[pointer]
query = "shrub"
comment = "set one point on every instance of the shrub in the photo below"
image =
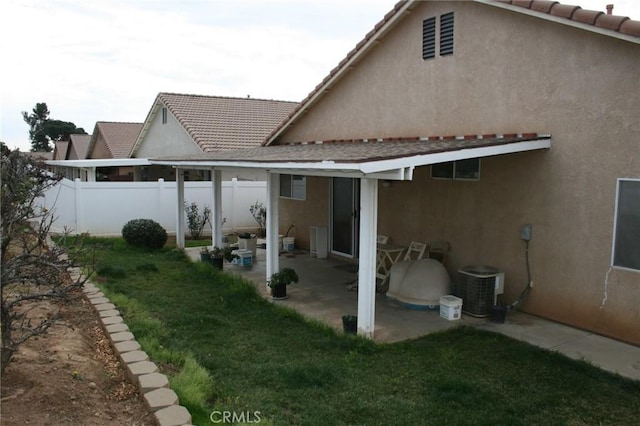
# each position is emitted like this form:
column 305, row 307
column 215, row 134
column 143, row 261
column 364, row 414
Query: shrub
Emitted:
column 144, row 233
column 195, row 220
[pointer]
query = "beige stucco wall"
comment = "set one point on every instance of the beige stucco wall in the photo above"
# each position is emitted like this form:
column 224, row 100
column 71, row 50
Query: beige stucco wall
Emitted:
column 314, row 211
column 509, row 73
column 169, row 139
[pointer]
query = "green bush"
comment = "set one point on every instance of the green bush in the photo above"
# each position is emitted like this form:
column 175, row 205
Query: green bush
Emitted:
column 144, row 233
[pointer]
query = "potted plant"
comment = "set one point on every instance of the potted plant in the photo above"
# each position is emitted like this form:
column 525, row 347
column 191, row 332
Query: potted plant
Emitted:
column 248, row 241
column 350, row 324
column 217, row 255
column 205, row 254
column 279, row 282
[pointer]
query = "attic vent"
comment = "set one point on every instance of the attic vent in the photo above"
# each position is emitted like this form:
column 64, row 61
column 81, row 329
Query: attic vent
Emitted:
column 429, row 38
column 164, row 115
column 446, row 34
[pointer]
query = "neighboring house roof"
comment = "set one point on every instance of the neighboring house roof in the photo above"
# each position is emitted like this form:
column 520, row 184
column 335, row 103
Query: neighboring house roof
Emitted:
column 80, row 145
column 220, row 123
column 118, row 137
column 599, row 22
column 61, row 149
column 40, row 155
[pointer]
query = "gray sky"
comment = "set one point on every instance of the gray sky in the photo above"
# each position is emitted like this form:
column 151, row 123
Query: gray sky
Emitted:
column 92, row 60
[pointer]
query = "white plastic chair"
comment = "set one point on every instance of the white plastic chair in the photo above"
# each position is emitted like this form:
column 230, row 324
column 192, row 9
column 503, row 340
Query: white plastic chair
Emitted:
column 415, row 251
column 382, row 239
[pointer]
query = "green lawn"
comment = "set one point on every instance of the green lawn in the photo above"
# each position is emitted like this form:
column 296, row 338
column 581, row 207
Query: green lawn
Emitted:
column 227, row 349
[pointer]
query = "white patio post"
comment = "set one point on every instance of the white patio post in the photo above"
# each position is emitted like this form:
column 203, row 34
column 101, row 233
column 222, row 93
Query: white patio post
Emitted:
column 273, row 192
column 91, row 174
column 180, row 206
column 367, row 262
column 216, row 210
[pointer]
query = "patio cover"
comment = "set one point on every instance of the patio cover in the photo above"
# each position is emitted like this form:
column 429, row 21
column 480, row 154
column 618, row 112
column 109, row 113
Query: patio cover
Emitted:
column 389, row 158
column 367, row 159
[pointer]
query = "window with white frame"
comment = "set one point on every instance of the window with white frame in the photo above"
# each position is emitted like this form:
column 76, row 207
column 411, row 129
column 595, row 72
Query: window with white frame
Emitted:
column 461, row 170
column 626, row 231
column 164, row 115
column 293, row 186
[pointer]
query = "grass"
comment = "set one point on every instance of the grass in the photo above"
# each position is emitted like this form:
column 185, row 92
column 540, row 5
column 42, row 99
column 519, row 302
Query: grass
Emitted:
column 225, row 348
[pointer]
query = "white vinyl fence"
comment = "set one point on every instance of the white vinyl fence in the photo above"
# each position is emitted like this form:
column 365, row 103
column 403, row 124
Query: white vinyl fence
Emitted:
column 102, row 208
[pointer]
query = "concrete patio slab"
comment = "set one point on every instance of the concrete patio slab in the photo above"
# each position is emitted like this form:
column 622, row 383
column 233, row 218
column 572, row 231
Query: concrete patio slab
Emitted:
column 322, row 295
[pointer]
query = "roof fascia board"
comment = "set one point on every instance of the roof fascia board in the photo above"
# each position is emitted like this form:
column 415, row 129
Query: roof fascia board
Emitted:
column 147, row 124
column 106, row 162
column 318, row 93
column 560, row 20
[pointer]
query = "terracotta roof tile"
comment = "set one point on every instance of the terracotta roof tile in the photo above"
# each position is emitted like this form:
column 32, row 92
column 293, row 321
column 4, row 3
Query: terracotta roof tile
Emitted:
column 222, row 123
column 610, row 22
column 586, row 16
column 564, row 10
column 60, row 150
column 542, row 5
column 119, row 137
column 597, row 18
column 80, row 145
column 630, row 28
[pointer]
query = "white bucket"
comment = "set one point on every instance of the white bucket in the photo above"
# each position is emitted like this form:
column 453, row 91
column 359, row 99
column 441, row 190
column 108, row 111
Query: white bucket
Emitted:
column 288, row 244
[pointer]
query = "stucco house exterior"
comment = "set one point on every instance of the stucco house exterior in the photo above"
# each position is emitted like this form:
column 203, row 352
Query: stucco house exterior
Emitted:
column 464, row 121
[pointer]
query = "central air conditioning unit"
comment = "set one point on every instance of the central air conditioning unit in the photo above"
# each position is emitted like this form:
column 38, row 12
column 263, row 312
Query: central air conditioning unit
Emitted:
column 479, row 287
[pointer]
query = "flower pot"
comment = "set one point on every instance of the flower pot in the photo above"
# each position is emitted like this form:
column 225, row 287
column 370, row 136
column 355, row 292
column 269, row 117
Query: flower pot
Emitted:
column 279, row 292
column 204, row 257
column 217, row 262
column 350, row 324
column 498, row 314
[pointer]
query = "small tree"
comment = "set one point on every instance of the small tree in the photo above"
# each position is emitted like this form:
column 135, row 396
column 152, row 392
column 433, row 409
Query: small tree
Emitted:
column 259, row 213
column 196, row 221
column 31, row 269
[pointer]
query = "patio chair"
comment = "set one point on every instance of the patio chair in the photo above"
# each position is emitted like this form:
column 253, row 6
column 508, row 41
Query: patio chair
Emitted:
column 439, row 250
column 382, row 239
column 415, row 251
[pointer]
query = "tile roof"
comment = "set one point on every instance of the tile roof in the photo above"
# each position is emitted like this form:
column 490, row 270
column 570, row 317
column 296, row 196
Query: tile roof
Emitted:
column 60, row 150
column 616, row 24
column 119, row 137
column 621, row 24
column 359, row 150
column 80, row 144
column 223, row 123
column 40, row 155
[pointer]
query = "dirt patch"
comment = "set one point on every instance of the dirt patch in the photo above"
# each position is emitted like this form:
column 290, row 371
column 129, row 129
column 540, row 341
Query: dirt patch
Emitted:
column 70, row 375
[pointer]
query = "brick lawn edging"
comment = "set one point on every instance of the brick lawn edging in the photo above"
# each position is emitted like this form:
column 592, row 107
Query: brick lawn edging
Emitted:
column 162, row 402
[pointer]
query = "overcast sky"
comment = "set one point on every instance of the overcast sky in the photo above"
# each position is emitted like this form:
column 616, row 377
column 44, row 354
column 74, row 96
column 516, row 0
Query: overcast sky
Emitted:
column 107, row 60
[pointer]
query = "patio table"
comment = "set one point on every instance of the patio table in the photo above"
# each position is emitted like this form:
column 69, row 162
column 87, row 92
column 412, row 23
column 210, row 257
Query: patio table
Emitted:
column 386, row 256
